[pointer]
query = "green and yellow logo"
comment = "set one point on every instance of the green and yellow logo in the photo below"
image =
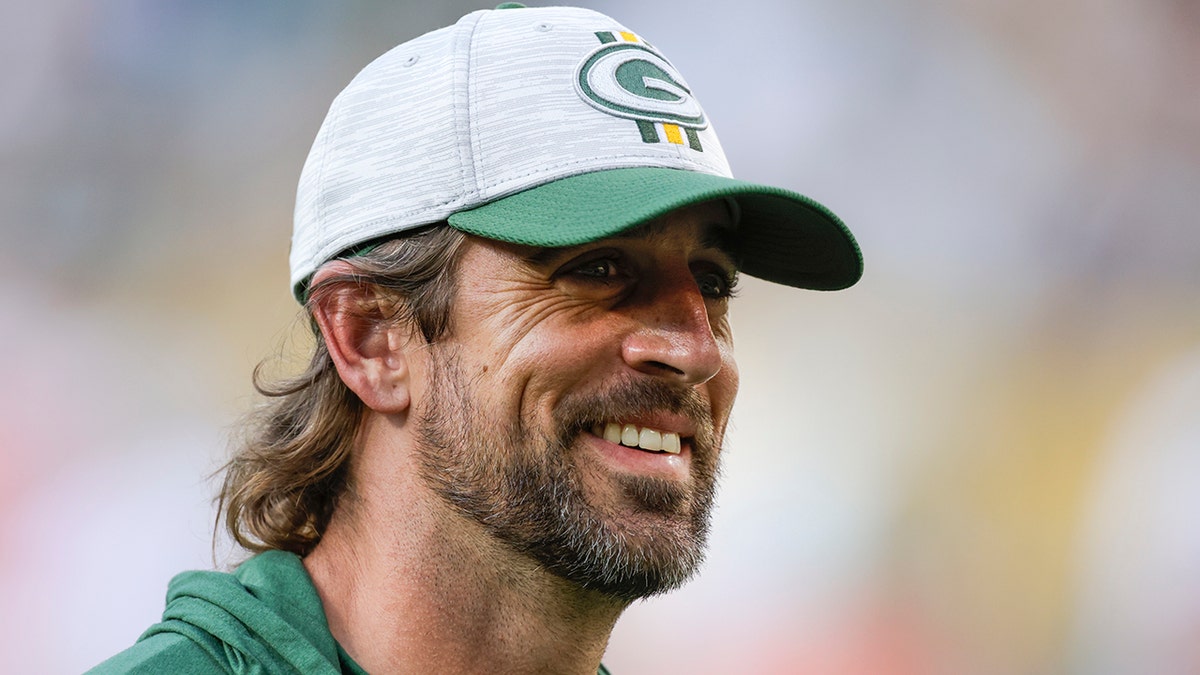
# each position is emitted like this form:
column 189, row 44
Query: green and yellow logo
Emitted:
column 628, row 78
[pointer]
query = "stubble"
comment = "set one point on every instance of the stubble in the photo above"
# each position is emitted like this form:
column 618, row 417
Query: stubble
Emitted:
column 525, row 486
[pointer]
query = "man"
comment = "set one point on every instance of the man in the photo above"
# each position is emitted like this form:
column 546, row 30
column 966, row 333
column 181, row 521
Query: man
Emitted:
column 517, row 238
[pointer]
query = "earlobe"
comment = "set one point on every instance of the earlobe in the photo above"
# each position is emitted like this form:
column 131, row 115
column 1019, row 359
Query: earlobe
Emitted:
column 368, row 350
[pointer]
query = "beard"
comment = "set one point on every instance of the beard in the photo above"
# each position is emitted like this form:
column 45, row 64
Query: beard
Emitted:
column 522, row 483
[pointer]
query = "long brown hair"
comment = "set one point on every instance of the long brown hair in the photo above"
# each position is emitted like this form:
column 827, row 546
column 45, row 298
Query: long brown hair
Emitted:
column 290, row 467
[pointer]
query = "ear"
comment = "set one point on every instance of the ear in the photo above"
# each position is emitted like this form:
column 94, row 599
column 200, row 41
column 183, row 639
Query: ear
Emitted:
column 368, row 350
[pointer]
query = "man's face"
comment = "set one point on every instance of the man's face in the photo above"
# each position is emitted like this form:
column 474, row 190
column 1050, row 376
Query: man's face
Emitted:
column 559, row 360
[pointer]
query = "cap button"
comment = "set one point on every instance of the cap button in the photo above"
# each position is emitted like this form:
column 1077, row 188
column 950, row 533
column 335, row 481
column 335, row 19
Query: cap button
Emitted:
column 510, row 5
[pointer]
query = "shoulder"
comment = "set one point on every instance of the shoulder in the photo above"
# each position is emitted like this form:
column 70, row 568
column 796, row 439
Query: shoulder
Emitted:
column 264, row 618
column 161, row 653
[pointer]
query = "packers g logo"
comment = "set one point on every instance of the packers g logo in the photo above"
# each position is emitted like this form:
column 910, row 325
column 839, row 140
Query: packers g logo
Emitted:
column 632, row 80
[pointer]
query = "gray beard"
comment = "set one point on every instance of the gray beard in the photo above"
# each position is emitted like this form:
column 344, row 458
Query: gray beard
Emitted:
column 525, row 489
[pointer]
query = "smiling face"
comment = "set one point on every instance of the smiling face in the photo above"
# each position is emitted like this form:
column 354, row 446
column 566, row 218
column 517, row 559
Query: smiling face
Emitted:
column 558, row 365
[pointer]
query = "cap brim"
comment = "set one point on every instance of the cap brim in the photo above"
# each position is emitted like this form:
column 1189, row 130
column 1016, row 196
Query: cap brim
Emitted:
column 782, row 236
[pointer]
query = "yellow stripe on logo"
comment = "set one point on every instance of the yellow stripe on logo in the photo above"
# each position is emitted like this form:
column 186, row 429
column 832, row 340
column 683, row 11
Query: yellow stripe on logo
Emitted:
column 673, row 133
column 629, row 37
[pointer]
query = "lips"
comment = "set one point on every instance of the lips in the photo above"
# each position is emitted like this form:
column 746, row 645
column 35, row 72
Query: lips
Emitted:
column 645, row 438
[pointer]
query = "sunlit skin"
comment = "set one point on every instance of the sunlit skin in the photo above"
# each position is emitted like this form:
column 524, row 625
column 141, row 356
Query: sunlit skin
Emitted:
column 534, row 325
column 407, row 579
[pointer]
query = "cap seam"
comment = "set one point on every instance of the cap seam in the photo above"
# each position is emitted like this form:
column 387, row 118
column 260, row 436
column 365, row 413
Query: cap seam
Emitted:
column 464, row 133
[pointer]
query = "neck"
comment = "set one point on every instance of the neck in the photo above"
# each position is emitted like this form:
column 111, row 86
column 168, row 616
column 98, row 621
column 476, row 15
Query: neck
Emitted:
column 410, row 585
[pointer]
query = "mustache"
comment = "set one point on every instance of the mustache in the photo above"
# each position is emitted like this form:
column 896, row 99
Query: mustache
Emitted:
column 580, row 411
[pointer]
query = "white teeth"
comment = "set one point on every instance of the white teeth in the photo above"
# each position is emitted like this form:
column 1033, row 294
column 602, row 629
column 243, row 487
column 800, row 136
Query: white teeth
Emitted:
column 650, row 439
column 612, row 432
column 645, row 438
column 670, row 443
column 629, row 435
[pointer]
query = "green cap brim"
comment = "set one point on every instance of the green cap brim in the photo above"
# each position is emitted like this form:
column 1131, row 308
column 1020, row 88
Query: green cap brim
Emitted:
column 782, row 236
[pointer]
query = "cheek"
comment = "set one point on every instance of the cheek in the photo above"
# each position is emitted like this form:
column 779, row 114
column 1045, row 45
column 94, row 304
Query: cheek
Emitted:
column 529, row 375
column 729, row 371
column 723, row 387
column 723, row 334
column 516, row 322
column 529, row 326
column 564, row 355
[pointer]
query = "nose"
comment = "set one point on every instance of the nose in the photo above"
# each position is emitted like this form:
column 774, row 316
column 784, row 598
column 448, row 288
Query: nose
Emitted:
column 674, row 337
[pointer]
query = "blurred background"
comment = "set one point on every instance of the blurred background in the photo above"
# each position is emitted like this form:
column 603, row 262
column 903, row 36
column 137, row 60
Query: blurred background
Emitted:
column 983, row 459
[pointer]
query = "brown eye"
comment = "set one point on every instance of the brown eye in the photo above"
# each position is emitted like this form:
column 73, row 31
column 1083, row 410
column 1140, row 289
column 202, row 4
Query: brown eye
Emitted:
column 716, row 284
column 599, row 268
column 597, row 274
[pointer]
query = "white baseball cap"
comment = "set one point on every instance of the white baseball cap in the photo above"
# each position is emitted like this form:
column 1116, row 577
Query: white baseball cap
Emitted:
column 541, row 126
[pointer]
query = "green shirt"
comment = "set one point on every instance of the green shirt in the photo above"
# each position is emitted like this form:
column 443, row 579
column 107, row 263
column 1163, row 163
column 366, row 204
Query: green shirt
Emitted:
column 264, row 618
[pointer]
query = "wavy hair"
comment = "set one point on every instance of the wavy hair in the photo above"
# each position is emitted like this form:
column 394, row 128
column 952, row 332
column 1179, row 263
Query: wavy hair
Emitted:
column 290, row 467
